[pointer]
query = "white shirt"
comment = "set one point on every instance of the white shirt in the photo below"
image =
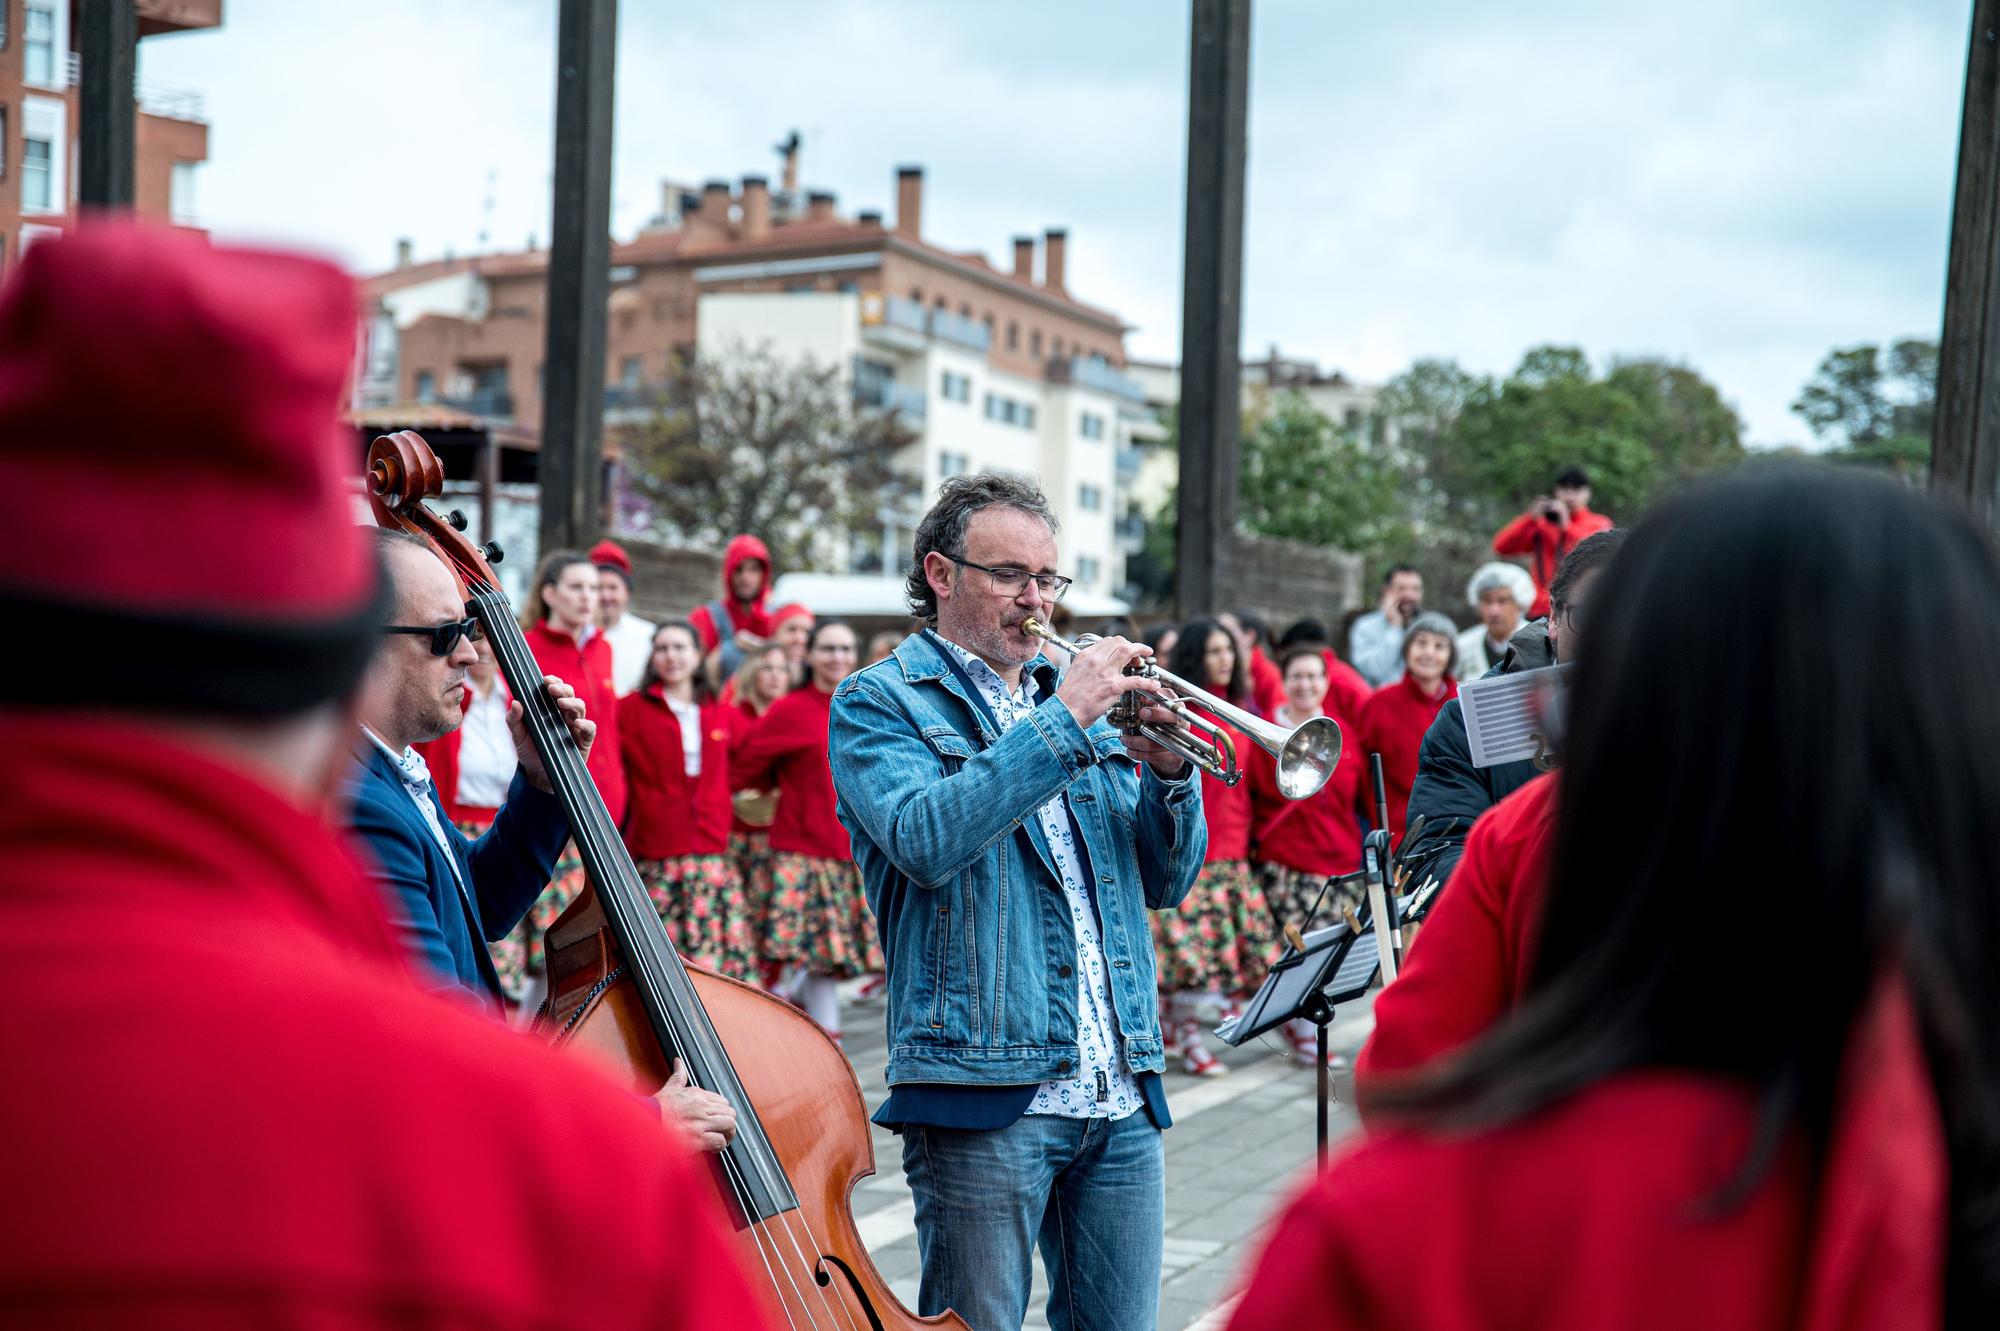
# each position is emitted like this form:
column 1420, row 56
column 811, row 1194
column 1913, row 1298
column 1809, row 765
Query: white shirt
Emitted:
column 631, row 641
column 416, row 776
column 486, row 755
column 1096, row 1025
column 688, row 714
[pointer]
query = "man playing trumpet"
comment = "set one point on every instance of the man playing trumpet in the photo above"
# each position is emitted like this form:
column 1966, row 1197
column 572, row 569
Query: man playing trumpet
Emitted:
column 1010, row 848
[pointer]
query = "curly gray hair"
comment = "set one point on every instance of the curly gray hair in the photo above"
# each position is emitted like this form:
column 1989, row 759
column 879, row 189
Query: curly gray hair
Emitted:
column 943, row 528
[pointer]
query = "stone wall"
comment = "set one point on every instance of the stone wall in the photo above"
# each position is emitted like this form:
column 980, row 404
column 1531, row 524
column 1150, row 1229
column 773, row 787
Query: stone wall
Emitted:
column 668, row 583
column 1287, row 580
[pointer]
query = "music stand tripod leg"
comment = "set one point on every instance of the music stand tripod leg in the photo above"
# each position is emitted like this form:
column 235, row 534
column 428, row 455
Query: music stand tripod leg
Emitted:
column 1320, row 1013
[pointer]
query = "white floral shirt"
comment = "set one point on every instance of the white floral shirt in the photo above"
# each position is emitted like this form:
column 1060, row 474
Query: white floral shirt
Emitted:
column 1103, row 1086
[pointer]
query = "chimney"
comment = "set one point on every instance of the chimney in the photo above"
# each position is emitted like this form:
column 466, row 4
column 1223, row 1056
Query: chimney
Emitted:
column 1024, row 258
column 789, row 149
column 819, row 206
column 910, row 201
column 756, row 207
column 715, row 203
column 1056, row 239
column 404, row 251
column 870, row 217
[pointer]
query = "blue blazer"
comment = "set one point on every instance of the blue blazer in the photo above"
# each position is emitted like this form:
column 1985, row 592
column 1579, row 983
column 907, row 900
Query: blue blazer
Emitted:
column 446, row 927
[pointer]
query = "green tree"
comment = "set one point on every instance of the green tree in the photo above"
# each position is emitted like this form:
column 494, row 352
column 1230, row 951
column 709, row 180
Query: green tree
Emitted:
column 1845, row 400
column 1875, row 414
column 752, row 441
column 1305, row 479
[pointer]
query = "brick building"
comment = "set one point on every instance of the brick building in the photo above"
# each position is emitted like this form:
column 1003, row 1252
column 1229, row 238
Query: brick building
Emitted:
column 38, row 120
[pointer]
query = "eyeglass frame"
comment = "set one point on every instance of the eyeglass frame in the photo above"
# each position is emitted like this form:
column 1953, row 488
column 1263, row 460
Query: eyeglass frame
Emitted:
column 1053, row 597
column 444, row 637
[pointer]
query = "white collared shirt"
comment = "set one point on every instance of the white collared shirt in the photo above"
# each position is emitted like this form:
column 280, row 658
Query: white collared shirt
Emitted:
column 416, row 775
column 1096, row 1024
column 486, row 755
column 631, row 641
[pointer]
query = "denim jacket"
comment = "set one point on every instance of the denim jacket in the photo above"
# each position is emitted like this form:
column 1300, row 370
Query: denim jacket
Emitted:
column 973, row 920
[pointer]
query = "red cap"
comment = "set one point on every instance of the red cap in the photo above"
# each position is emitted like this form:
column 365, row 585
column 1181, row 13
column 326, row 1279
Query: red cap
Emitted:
column 610, row 554
column 172, row 466
column 792, row 610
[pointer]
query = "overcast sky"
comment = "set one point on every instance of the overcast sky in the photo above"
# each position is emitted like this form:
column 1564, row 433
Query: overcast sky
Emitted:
column 1739, row 186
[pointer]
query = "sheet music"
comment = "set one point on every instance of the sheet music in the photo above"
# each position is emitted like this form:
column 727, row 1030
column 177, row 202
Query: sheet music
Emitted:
column 1503, row 714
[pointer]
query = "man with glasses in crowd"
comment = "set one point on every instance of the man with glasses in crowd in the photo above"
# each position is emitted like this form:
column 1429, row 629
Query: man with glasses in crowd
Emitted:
column 1010, row 846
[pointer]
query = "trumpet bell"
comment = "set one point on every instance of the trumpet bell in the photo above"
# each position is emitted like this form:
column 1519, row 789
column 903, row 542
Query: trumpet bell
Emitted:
column 1308, row 757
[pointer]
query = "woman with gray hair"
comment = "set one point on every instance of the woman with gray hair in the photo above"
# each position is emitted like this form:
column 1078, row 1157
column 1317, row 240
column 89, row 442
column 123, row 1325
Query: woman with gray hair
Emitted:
column 1397, row 715
column 1501, row 593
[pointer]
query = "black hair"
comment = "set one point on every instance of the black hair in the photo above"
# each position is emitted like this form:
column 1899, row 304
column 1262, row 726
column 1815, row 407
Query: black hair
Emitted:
column 1733, row 746
column 1592, row 552
column 1304, row 631
column 1394, row 569
column 943, row 528
column 703, row 694
column 1572, row 477
column 1186, row 658
column 1255, row 625
column 1158, row 634
column 1300, row 651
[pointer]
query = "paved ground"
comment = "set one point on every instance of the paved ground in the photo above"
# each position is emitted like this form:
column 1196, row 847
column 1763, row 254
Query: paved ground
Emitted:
column 1238, row 1146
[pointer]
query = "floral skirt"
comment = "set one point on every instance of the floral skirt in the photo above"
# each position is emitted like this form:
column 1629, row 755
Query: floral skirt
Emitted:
column 1221, row 939
column 701, row 901
column 519, row 954
column 750, row 852
column 813, row 914
column 1290, row 893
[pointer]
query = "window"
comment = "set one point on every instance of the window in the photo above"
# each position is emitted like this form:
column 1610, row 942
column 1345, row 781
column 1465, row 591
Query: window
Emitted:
column 3, row 110
column 37, row 186
column 180, row 192
column 630, row 371
column 38, row 56
column 955, row 387
column 1035, row 342
column 1089, row 498
column 1090, row 425
column 1013, row 336
column 953, row 464
column 917, row 295
column 1056, row 348
column 1351, row 418
column 993, row 406
column 1086, row 571
column 1027, row 417
column 426, row 386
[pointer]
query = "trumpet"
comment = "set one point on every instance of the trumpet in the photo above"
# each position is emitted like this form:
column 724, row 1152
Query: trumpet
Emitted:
column 1306, row 753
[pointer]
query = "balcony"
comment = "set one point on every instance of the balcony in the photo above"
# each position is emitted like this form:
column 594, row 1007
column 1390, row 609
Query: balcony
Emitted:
column 1131, row 533
column 154, row 99
column 492, row 403
column 884, row 394
column 1097, row 374
column 964, row 332
column 1129, row 461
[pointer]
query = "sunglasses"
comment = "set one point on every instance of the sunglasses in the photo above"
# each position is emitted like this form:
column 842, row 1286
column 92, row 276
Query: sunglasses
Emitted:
column 444, row 637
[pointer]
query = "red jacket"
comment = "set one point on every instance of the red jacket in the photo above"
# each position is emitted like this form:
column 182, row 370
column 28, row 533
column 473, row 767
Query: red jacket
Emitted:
column 1267, row 683
column 787, row 749
column 1393, row 725
column 1347, row 692
column 1547, row 543
column 747, row 616
column 1320, row 835
column 667, row 816
column 1469, row 963
column 1226, row 809
column 231, row 1107
column 588, row 671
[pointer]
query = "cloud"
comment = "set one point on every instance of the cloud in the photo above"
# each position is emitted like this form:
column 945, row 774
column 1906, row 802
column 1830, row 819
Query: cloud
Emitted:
column 1740, row 191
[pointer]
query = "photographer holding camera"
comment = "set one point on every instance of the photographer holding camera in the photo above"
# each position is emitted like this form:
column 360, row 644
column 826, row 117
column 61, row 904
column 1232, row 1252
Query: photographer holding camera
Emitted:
column 1550, row 529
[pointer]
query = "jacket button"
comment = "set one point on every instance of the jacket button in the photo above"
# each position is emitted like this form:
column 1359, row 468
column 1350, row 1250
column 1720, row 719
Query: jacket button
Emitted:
column 1063, row 1066
column 1104, row 878
column 1083, row 757
column 1064, row 971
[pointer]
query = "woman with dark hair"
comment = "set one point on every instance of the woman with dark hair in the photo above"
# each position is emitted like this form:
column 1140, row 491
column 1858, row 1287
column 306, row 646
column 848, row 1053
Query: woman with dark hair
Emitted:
column 814, row 918
column 1697, row 1116
column 676, row 737
column 1161, row 638
column 559, row 621
column 1400, row 712
column 1213, row 948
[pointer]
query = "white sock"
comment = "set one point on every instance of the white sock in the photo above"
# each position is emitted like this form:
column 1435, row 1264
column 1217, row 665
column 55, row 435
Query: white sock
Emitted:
column 822, row 1002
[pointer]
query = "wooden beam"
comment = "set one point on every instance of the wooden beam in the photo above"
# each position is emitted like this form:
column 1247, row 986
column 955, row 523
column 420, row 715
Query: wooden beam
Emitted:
column 1211, row 302
column 107, row 112
column 571, row 463
column 1965, row 448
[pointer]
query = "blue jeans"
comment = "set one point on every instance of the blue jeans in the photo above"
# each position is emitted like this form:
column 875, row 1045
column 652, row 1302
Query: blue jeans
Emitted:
column 1091, row 1191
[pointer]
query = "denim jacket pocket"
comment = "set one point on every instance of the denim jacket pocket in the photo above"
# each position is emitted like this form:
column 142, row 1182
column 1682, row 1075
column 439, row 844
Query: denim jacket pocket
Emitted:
column 952, row 748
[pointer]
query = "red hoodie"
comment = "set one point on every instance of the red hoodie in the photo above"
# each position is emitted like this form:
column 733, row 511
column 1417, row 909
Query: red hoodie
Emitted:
column 588, row 670
column 1532, row 534
column 1267, row 683
column 230, row 1107
column 748, row 616
column 1320, row 835
column 787, row 749
column 1226, row 809
column 668, row 815
column 1347, row 692
column 1393, row 725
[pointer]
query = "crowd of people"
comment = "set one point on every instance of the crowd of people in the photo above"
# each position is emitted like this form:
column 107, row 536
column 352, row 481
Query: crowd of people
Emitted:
column 1695, row 1036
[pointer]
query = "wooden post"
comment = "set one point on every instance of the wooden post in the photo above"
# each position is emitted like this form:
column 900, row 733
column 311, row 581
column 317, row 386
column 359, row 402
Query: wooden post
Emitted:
column 1965, row 447
column 106, row 109
column 570, row 468
column 1211, row 301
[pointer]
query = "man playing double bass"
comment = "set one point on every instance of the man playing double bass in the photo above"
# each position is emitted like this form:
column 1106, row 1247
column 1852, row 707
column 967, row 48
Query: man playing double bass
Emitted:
column 227, row 1105
column 451, row 894
column 1010, row 849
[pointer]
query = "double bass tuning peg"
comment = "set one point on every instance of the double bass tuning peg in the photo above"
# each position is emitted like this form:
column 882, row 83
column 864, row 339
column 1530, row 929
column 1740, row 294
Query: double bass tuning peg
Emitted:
column 457, row 519
column 492, row 552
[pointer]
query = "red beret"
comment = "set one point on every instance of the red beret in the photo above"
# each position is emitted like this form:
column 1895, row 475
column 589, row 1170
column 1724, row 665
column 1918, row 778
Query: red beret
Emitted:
column 172, row 466
column 610, row 554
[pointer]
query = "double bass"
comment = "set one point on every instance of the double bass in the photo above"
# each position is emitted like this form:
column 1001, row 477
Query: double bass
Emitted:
column 619, row 992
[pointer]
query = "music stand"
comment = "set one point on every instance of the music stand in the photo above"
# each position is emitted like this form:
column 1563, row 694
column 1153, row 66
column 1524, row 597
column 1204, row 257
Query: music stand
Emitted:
column 1330, row 970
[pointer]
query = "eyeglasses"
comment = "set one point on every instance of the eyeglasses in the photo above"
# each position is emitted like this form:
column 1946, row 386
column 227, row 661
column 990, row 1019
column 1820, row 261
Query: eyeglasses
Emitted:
column 444, row 637
column 1014, row 581
column 1572, row 613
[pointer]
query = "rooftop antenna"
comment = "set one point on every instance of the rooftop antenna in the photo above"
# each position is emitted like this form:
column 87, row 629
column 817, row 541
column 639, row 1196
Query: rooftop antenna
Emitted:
column 788, row 148
column 486, row 207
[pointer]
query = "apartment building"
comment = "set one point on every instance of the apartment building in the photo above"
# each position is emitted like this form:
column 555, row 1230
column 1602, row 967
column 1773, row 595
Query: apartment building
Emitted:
column 39, row 73
column 994, row 366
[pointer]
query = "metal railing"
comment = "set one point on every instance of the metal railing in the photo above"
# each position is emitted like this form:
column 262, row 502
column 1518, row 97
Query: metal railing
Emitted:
column 494, row 403
column 154, row 99
column 1096, row 373
column 966, row 332
column 888, row 395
